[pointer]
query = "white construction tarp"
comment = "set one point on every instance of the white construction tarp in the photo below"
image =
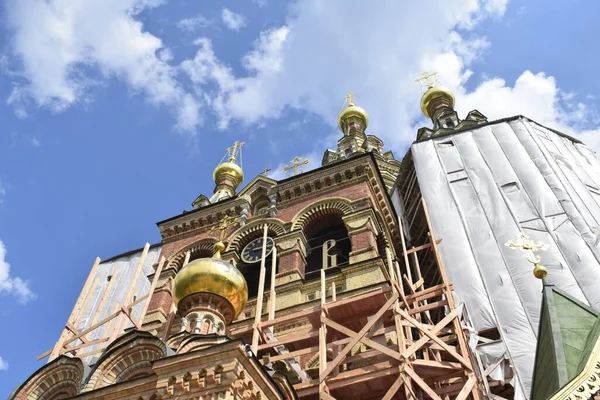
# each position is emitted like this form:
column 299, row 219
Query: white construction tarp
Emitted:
column 485, row 186
column 122, row 271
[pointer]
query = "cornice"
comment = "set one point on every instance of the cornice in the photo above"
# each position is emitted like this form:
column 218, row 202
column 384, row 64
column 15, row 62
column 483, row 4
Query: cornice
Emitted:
column 257, row 183
column 324, row 180
column 198, row 221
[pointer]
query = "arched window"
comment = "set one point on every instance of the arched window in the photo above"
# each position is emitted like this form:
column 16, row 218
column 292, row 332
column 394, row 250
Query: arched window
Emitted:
column 261, row 208
column 328, row 245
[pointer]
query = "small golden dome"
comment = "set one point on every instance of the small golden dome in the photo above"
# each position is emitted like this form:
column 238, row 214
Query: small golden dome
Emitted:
column 231, row 169
column 353, row 111
column 433, row 93
column 212, row 275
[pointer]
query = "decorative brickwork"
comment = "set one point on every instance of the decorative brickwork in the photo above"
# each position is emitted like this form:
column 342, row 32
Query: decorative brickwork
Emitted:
column 254, row 229
column 333, row 205
column 59, row 379
column 128, row 356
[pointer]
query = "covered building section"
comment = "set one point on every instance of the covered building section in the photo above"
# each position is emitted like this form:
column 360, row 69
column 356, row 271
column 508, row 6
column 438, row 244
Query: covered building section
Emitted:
column 485, row 185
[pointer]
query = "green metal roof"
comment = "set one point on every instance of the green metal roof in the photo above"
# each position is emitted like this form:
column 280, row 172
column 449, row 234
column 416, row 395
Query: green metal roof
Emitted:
column 567, row 333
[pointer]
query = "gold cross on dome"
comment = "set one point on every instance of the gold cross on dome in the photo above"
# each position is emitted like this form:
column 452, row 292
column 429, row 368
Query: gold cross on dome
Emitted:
column 426, row 76
column 223, row 225
column 233, row 150
column 349, row 98
column 265, row 171
column 523, row 243
column 296, row 163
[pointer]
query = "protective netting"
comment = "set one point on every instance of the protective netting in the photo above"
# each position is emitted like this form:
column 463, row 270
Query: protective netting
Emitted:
column 485, row 186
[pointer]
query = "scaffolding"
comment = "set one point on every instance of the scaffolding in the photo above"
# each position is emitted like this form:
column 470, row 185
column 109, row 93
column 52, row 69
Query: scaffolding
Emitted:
column 76, row 342
column 402, row 339
column 409, row 330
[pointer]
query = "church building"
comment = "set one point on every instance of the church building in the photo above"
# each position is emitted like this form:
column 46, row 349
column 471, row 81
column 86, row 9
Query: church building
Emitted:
column 369, row 277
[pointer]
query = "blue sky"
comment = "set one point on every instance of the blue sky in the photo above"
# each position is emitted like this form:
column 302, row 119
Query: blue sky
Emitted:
column 115, row 112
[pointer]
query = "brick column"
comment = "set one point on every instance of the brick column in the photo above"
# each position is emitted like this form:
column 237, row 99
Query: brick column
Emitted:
column 291, row 254
column 363, row 231
column 161, row 300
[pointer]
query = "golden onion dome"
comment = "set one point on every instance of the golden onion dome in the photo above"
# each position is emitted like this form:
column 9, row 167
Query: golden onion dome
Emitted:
column 212, row 275
column 353, row 111
column 229, row 168
column 433, row 93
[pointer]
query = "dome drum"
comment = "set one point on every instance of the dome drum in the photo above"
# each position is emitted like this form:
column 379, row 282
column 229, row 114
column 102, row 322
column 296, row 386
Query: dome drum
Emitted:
column 204, row 301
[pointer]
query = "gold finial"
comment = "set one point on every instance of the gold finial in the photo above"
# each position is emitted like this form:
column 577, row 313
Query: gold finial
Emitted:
column 426, row 76
column 523, row 243
column 223, row 225
column 296, row 163
column 265, row 171
column 233, row 150
column 349, row 98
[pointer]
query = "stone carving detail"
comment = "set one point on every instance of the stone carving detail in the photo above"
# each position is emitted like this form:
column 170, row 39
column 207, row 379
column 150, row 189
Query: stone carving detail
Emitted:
column 272, row 203
column 358, row 223
column 244, row 213
column 589, row 387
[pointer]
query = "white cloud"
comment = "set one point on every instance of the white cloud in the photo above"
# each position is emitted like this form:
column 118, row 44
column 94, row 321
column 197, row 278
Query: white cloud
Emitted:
column 317, row 57
column 193, row 23
column 308, row 64
column 233, row 20
column 312, row 61
column 538, row 97
column 60, row 41
column 3, row 365
column 266, row 56
column 13, row 286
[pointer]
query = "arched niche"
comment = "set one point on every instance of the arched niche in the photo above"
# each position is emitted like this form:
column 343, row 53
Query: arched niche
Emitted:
column 60, row 379
column 130, row 356
column 261, row 207
column 328, row 245
column 247, row 234
column 333, row 205
column 200, row 249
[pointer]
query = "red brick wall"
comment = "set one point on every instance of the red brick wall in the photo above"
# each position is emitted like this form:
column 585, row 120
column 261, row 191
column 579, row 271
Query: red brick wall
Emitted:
column 293, row 260
column 363, row 240
column 353, row 192
column 161, row 299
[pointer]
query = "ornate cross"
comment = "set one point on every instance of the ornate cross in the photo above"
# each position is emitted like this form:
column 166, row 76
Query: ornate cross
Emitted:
column 426, row 76
column 350, row 98
column 265, row 171
column 233, row 150
column 223, row 225
column 296, row 163
column 523, row 243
